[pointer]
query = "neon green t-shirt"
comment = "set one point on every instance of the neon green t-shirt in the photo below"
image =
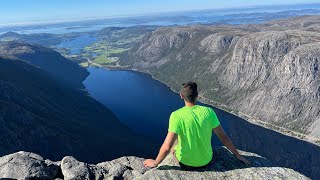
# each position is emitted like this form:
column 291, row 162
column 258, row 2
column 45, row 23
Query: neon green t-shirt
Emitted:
column 194, row 128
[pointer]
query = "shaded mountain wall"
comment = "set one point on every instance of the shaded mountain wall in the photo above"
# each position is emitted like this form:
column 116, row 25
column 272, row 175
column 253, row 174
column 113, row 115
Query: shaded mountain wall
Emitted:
column 40, row 113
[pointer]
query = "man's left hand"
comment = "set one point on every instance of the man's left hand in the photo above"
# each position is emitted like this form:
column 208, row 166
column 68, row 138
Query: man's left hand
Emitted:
column 150, row 163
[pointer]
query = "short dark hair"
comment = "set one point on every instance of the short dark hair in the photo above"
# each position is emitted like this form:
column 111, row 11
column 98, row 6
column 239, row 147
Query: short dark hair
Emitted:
column 189, row 91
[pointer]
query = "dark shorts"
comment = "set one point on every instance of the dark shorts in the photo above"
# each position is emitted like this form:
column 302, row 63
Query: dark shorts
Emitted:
column 191, row 168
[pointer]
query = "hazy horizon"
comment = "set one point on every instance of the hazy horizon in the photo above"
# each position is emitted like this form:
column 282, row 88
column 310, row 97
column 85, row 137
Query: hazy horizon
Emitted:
column 32, row 15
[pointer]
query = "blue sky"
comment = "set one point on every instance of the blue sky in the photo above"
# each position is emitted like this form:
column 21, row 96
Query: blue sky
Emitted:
column 15, row 11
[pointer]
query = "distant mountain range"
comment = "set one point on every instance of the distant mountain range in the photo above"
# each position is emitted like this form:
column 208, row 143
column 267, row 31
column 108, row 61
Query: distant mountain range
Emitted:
column 244, row 15
column 43, row 110
column 267, row 72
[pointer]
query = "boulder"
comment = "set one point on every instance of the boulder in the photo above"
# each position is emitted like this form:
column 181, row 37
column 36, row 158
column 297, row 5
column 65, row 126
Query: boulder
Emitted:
column 72, row 169
column 26, row 165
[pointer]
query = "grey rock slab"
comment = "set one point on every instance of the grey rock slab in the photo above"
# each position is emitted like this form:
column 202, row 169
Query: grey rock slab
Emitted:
column 26, row 165
column 73, row 169
column 132, row 162
column 223, row 166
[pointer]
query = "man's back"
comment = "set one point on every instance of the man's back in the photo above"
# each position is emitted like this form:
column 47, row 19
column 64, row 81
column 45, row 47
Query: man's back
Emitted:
column 193, row 125
column 194, row 128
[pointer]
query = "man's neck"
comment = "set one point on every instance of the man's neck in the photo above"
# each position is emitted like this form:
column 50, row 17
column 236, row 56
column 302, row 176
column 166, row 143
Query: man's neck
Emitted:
column 189, row 104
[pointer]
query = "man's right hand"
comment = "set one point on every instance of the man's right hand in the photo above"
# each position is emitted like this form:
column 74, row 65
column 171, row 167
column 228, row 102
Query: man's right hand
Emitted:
column 228, row 143
column 242, row 159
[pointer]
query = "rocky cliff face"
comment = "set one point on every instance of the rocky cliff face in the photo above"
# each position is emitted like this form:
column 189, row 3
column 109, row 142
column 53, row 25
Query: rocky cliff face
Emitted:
column 25, row 165
column 267, row 72
column 277, row 72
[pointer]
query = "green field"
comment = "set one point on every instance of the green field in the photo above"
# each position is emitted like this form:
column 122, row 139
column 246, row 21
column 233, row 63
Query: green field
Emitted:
column 104, row 51
column 84, row 64
column 113, row 41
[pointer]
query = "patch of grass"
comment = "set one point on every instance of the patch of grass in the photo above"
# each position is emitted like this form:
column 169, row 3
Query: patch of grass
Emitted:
column 104, row 60
column 84, row 64
column 105, row 53
column 115, row 51
column 103, row 47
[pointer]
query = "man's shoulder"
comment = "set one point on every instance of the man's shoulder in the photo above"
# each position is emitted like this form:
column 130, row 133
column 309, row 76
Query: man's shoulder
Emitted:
column 200, row 107
column 205, row 108
column 178, row 111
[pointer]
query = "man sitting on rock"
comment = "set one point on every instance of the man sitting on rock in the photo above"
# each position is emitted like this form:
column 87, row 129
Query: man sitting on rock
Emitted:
column 192, row 125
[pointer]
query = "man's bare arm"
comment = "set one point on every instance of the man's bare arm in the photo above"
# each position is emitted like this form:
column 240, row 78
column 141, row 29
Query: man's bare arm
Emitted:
column 224, row 138
column 164, row 150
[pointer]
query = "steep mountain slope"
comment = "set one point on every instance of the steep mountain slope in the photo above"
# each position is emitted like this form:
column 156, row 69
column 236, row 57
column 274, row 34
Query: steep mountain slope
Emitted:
column 123, row 37
column 47, row 59
column 42, row 114
column 267, row 72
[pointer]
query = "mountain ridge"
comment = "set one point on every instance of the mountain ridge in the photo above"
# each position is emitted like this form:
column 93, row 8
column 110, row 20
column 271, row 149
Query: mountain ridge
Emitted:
column 60, row 68
column 240, row 65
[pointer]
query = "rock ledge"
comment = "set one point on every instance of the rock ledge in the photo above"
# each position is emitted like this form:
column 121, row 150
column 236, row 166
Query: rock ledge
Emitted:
column 25, row 165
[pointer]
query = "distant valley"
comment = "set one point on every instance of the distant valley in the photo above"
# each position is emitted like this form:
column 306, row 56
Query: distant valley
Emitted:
column 266, row 73
column 44, row 110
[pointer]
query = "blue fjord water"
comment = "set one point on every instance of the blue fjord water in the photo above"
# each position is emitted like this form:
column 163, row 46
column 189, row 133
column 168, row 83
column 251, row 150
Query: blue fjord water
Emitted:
column 77, row 44
column 144, row 105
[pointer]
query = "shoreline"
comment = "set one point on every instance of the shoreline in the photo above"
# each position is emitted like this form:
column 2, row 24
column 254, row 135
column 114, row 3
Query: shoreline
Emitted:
column 248, row 118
